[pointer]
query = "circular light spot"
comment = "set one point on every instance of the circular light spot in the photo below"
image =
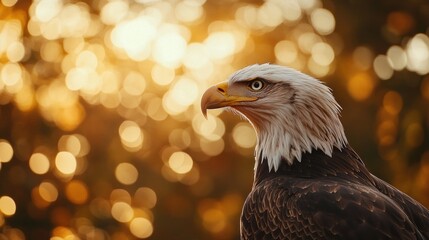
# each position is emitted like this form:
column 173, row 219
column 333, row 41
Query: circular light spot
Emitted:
column 169, row 49
column 180, row 162
column 145, row 197
column 363, row 57
column 47, row 10
column 244, row 135
column 382, row 67
column 6, row 151
column 162, row 75
column 87, row 59
column 220, row 45
column 214, row 220
column 113, row 12
column 122, row 212
column 392, row 102
column 7, row 206
column 65, row 163
column 77, row 192
column 15, row 52
column 286, row 51
column 212, row 147
column 126, row 173
column 76, row 144
column 120, row 195
column 131, row 135
column 397, row 58
column 322, row 53
column 141, row 227
column 360, row 86
column 323, row 21
column 134, row 84
column 39, row 163
column 188, row 11
column 9, row 3
column 48, row 192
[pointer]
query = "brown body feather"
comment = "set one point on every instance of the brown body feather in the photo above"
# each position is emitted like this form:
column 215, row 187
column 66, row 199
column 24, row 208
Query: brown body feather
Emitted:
column 325, row 197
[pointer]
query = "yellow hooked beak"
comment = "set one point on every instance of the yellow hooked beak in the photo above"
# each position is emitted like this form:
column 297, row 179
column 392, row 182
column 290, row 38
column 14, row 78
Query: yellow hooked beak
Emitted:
column 217, row 97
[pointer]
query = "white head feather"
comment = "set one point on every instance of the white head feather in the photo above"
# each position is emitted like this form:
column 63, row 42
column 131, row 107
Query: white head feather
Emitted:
column 295, row 116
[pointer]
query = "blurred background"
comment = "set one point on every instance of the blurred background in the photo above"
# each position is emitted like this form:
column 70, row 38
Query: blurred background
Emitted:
column 101, row 135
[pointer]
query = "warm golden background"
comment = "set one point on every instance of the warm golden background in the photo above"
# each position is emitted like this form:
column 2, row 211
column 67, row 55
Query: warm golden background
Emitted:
column 101, row 136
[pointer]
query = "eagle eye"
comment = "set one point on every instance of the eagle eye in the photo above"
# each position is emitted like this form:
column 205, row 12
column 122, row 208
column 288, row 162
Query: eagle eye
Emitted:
column 256, row 85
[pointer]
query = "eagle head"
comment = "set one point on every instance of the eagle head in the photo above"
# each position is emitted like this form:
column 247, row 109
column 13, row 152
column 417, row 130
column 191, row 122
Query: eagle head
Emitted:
column 291, row 112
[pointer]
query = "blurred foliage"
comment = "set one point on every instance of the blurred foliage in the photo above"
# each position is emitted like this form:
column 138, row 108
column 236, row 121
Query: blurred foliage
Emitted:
column 101, row 136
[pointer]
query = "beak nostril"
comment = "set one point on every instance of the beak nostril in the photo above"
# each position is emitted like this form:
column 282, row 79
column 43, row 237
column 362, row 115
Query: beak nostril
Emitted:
column 221, row 90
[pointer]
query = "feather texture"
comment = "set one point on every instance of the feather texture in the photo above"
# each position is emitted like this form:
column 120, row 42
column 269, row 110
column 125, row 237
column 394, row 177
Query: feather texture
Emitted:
column 325, row 197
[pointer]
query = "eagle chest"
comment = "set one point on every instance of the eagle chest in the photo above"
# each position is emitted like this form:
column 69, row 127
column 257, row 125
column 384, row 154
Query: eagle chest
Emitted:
column 270, row 212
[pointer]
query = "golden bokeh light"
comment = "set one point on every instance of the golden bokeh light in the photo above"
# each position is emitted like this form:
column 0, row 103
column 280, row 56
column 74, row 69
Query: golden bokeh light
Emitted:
column 134, row 84
column 66, row 163
column 323, row 21
column 360, row 86
column 392, row 102
column 189, row 11
column 48, row 192
column 51, row 51
column 286, row 52
column 182, row 94
column 126, row 173
column 363, row 57
column 134, row 36
column 77, row 192
column 220, row 45
column 269, row 14
column 180, row 162
column 145, row 197
column 244, row 135
column 382, row 67
column 180, row 138
column 62, row 233
column 322, row 53
column 141, row 227
column 15, row 52
column 7, row 206
column 211, row 128
column 6, row 151
column 122, row 212
column 397, row 58
column 25, row 99
column 47, row 9
column 417, row 50
column 213, row 216
column 75, row 144
column 212, row 147
column 131, row 136
column 414, row 135
column 39, row 163
column 11, row 75
column 9, row 3
column 162, row 75
column 307, row 40
column 386, row 132
column 170, row 47
column 113, row 12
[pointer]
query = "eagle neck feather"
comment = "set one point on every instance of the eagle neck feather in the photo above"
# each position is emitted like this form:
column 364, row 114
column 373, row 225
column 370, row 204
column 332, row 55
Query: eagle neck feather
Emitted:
column 309, row 122
column 297, row 115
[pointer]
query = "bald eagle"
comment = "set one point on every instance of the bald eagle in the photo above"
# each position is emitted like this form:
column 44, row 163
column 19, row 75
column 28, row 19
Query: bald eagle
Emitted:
column 308, row 182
